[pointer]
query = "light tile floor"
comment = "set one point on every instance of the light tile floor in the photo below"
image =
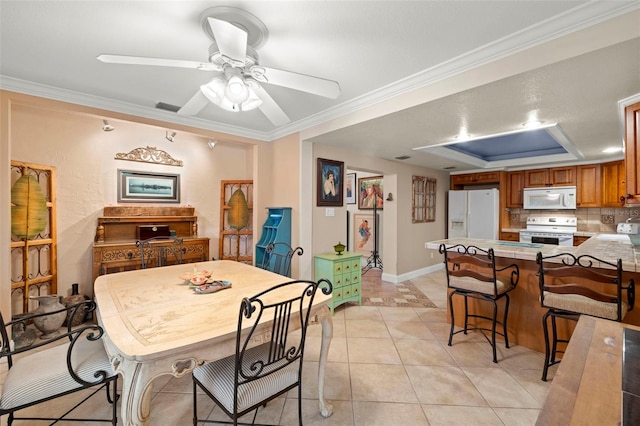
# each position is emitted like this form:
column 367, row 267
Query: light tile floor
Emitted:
column 386, row 366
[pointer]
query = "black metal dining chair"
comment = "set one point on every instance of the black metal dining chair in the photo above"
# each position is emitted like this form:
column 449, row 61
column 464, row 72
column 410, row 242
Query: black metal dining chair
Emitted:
column 472, row 272
column 572, row 286
column 160, row 251
column 277, row 258
column 49, row 369
column 254, row 375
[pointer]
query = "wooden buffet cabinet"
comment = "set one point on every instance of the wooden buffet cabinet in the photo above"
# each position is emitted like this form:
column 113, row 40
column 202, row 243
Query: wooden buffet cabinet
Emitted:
column 114, row 247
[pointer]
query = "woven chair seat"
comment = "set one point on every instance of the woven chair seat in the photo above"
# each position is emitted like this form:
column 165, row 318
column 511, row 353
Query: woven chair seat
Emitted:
column 27, row 381
column 472, row 284
column 583, row 305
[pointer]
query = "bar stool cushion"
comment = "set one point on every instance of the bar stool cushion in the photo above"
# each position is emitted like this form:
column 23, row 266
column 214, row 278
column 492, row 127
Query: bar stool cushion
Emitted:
column 583, row 305
column 472, row 284
column 45, row 374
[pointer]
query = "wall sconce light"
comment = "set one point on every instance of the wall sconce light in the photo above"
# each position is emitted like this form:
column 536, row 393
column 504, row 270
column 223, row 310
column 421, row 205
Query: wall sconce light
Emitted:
column 106, row 126
column 390, row 197
column 170, row 136
column 212, row 144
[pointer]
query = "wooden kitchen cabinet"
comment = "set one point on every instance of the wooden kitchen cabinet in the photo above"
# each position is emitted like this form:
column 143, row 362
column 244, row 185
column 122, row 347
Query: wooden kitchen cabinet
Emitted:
column 588, row 185
column 555, row 176
column 579, row 240
column 459, row 181
column 632, row 153
column 510, row 236
column 515, row 184
column 613, row 183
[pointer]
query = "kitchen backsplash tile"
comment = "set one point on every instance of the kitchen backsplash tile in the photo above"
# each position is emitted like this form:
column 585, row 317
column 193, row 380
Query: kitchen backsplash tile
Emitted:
column 604, row 219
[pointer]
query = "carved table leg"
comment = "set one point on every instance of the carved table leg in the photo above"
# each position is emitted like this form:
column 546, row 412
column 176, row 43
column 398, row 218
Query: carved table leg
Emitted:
column 136, row 393
column 324, row 316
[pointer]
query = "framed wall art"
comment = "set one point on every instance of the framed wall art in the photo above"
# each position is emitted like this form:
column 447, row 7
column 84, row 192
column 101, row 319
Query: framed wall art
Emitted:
column 370, row 192
column 350, row 188
column 363, row 233
column 146, row 187
column 330, row 182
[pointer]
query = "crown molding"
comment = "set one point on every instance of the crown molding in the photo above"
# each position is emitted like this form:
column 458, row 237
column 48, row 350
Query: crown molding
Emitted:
column 65, row 95
column 571, row 21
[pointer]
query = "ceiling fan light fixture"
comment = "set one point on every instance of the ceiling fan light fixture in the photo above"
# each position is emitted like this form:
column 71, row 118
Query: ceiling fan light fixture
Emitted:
column 252, row 102
column 214, row 90
column 236, row 90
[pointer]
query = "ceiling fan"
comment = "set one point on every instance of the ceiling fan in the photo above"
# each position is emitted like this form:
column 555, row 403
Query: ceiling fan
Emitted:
column 237, row 85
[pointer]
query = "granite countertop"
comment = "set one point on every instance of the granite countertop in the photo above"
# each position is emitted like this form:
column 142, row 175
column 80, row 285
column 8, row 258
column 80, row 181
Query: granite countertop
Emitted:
column 608, row 247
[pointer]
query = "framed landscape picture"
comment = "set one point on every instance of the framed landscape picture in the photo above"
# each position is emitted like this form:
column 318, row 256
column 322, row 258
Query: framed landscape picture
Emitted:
column 146, row 187
column 330, row 182
column 370, row 193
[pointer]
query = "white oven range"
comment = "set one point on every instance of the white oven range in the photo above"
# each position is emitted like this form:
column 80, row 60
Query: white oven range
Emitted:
column 557, row 230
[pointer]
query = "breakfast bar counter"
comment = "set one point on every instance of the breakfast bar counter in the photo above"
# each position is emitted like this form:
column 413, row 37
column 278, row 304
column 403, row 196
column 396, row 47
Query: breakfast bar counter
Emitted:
column 525, row 313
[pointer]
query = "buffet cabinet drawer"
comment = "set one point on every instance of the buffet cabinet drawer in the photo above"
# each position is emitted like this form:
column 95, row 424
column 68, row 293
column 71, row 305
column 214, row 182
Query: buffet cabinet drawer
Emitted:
column 109, row 258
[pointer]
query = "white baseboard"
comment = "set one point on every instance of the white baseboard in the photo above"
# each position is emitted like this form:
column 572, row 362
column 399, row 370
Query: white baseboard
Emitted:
column 413, row 274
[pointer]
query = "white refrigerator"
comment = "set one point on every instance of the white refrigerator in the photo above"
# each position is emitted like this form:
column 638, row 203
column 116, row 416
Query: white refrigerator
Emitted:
column 474, row 214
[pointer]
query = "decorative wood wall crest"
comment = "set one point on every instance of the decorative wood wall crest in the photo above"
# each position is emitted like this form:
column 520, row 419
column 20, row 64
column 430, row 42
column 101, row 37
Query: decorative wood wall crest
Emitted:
column 149, row 155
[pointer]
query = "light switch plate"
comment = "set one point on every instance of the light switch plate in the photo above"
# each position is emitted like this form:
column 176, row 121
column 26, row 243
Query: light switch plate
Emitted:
column 330, row 212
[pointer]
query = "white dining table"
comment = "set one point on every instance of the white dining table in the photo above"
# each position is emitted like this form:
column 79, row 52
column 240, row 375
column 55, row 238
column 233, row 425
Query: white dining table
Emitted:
column 155, row 324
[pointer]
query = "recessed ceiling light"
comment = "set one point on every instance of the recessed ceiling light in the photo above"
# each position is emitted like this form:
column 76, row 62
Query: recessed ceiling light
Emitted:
column 612, row 150
column 463, row 135
column 532, row 124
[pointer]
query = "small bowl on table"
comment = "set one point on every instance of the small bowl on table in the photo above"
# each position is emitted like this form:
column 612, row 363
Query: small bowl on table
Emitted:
column 198, row 280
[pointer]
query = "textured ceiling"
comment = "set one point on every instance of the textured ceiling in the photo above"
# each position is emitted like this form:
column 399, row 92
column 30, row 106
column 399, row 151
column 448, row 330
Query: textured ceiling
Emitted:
column 386, row 55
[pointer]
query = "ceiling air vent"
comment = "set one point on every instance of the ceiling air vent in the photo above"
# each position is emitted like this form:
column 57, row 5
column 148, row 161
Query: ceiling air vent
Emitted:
column 403, row 157
column 450, row 168
column 167, row 107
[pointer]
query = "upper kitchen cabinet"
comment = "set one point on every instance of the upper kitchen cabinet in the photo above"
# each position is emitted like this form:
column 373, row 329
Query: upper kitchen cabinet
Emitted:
column 613, row 183
column 460, row 181
column 555, row 176
column 515, row 184
column 632, row 153
column 588, row 186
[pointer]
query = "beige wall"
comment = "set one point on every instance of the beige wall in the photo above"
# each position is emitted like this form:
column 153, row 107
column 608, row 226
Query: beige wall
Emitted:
column 83, row 155
column 70, row 138
column 402, row 241
column 278, row 185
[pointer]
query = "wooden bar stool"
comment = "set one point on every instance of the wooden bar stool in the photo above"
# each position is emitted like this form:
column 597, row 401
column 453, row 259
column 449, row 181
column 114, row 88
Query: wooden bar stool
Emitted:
column 571, row 286
column 472, row 272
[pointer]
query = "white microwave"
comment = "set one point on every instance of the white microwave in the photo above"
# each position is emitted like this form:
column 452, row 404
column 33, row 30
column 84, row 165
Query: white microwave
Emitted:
column 552, row 198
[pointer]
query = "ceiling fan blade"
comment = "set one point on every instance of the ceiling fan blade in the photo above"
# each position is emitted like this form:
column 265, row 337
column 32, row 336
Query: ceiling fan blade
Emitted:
column 270, row 108
column 305, row 83
column 231, row 40
column 140, row 60
column 194, row 105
